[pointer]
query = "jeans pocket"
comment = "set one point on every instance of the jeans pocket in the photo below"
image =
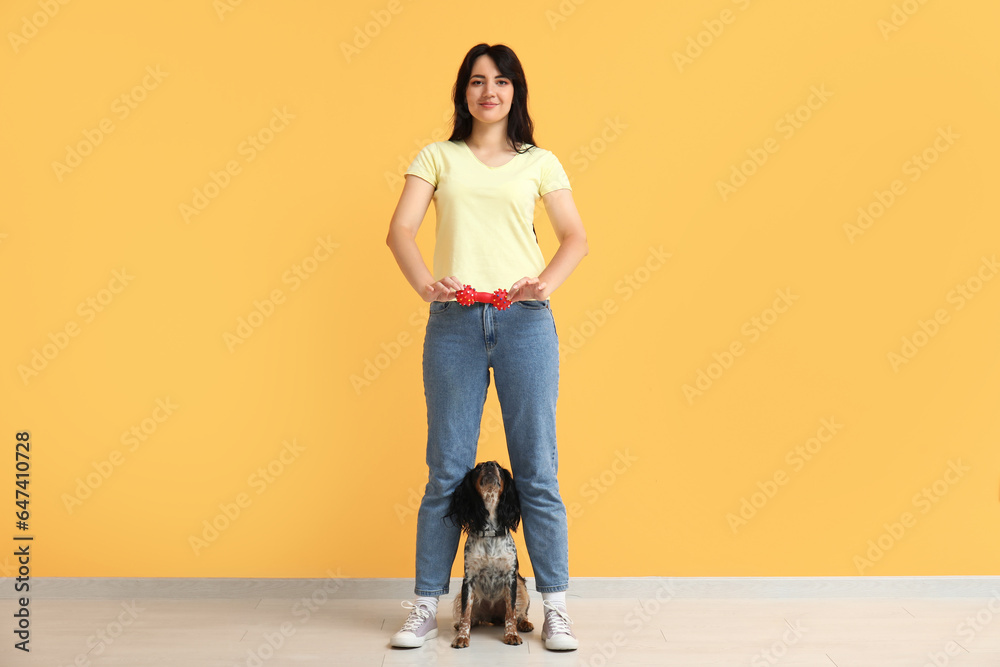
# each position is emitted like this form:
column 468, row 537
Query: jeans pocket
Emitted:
column 532, row 305
column 440, row 306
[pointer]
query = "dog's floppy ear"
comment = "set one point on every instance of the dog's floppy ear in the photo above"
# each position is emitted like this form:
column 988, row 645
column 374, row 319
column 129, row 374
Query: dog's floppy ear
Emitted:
column 509, row 506
column 467, row 510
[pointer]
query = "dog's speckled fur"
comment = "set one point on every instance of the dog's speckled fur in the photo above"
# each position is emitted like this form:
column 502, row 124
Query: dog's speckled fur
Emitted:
column 486, row 507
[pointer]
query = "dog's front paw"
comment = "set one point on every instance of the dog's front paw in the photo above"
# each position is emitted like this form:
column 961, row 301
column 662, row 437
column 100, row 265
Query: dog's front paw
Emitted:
column 525, row 626
column 460, row 642
column 512, row 639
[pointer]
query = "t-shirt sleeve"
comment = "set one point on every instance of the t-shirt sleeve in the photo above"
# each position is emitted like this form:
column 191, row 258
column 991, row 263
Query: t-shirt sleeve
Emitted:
column 553, row 176
column 426, row 165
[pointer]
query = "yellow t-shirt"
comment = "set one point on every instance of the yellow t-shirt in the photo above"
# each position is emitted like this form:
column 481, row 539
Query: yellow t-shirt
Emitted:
column 485, row 235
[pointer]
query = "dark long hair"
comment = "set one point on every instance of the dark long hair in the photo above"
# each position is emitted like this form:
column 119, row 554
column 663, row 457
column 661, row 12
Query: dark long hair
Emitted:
column 468, row 511
column 520, row 129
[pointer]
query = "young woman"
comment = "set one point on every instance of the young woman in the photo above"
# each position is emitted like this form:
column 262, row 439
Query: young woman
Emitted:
column 485, row 182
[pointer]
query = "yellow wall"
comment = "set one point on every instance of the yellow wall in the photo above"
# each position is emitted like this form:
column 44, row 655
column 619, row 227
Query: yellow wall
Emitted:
column 738, row 395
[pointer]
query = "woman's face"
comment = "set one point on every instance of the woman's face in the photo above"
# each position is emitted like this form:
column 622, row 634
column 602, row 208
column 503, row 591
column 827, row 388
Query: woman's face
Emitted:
column 489, row 93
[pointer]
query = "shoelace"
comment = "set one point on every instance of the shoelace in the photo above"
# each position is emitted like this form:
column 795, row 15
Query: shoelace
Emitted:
column 559, row 620
column 418, row 614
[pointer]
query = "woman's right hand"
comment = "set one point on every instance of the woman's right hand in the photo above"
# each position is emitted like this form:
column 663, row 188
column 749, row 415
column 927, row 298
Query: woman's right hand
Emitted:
column 442, row 290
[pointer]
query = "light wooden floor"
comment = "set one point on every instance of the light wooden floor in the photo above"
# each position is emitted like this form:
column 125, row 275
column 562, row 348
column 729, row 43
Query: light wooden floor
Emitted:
column 280, row 631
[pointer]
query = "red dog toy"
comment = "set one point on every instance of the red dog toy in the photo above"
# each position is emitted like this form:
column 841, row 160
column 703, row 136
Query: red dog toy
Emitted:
column 468, row 296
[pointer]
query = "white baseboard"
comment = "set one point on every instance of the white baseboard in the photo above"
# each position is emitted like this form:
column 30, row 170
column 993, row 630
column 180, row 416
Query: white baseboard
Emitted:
column 582, row 587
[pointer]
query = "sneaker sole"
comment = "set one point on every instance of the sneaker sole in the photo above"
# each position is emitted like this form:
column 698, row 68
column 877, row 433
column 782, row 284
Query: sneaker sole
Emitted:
column 563, row 644
column 414, row 641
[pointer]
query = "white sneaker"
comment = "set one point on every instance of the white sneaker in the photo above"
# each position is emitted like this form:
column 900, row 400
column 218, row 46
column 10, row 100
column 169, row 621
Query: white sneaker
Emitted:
column 420, row 625
column 556, row 631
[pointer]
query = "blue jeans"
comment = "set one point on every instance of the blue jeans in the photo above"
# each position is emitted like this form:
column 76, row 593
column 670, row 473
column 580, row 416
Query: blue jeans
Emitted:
column 461, row 345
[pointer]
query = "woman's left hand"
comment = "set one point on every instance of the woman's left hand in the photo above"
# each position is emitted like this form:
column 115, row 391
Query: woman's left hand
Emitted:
column 528, row 289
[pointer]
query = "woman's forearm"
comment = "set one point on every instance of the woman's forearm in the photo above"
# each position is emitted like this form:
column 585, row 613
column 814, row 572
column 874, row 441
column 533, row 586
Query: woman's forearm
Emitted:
column 404, row 248
column 571, row 252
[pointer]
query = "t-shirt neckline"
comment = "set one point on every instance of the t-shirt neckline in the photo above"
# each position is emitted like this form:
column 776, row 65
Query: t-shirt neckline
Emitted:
column 469, row 148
